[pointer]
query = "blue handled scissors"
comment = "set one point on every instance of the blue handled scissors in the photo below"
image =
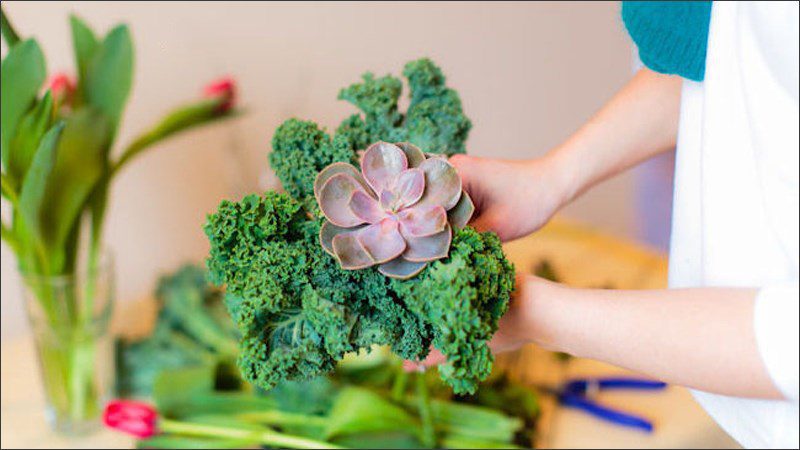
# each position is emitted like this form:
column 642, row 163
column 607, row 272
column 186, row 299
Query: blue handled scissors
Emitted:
column 577, row 393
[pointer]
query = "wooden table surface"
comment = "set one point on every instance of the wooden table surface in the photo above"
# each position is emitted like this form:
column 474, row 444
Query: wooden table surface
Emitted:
column 580, row 256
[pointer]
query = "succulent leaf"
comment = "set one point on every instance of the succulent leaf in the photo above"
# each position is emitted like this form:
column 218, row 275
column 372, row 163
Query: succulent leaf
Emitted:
column 428, row 248
column 381, row 163
column 351, row 252
column 337, row 168
column 461, row 213
column 414, row 155
column 382, row 240
column 401, row 268
column 408, row 187
column 442, row 182
column 421, row 221
column 366, row 207
column 334, row 200
column 328, row 231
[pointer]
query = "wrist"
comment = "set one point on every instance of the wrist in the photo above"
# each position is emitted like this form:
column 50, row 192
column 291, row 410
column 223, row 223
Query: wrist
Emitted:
column 561, row 174
column 547, row 312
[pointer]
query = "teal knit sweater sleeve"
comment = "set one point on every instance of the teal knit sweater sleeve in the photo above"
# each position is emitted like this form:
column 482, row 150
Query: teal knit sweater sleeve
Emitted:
column 671, row 36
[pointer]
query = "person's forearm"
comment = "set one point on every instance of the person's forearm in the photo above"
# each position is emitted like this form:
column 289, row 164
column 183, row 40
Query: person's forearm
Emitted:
column 700, row 338
column 640, row 121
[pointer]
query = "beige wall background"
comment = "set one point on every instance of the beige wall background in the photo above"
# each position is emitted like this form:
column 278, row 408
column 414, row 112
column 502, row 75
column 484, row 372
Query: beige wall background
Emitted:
column 528, row 73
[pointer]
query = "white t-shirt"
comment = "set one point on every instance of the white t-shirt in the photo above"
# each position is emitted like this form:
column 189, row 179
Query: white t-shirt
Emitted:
column 735, row 213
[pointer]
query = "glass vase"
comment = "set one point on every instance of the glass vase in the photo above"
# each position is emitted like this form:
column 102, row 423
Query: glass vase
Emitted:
column 69, row 315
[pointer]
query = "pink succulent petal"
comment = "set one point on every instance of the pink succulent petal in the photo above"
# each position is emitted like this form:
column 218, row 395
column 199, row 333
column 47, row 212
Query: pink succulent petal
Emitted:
column 387, row 200
column 382, row 240
column 381, row 163
column 328, row 231
column 401, row 268
column 334, row 199
column 421, row 221
column 366, row 208
column 334, row 169
column 428, row 248
column 414, row 155
column 408, row 187
column 442, row 183
column 460, row 214
column 350, row 252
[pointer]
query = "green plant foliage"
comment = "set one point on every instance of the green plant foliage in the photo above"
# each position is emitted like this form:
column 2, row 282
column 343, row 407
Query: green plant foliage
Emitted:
column 21, row 76
column 358, row 410
column 32, row 195
column 8, row 32
column 72, row 180
column 79, row 166
column 30, row 131
column 110, row 73
column 297, row 311
column 192, row 329
column 84, row 44
column 458, row 297
column 300, row 150
column 57, row 167
column 434, row 121
column 364, row 403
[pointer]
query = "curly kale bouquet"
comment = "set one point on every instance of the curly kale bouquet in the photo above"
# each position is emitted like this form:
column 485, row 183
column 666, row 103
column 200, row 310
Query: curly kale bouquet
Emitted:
column 298, row 310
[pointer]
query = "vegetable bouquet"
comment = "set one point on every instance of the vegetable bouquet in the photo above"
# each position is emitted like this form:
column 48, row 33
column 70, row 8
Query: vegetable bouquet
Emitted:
column 367, row 245
column 57, row 169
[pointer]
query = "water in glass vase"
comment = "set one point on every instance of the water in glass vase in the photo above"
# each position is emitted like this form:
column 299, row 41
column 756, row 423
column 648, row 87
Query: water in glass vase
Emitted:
column 69, row 315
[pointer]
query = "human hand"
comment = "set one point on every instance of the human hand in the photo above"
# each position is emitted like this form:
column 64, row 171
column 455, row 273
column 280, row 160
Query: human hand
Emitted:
column 512, row 198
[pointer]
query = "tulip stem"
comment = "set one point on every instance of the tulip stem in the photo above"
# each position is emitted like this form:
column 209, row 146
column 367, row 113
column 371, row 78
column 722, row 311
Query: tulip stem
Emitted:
column 265, row 437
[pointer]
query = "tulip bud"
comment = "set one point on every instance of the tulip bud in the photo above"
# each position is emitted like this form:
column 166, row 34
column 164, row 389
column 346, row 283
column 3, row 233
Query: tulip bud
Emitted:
column 135, row 418
column 224, row 89
column 62, row 87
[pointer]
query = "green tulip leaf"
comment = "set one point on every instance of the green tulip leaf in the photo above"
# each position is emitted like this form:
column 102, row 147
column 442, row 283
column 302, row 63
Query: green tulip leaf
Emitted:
column 8, row 31
column 84, row 43
column 110, row 75
column 80, row 164
column 29, row 133
column 358, row 410
column 22, row 73
column 34, row 186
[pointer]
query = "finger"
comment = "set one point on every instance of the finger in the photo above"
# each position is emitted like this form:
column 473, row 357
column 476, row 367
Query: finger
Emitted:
column 434, row 358
column 464, row 166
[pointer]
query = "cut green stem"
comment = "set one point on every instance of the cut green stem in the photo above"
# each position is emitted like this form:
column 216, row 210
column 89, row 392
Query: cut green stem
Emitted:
column 265, row 437
column 428, row 434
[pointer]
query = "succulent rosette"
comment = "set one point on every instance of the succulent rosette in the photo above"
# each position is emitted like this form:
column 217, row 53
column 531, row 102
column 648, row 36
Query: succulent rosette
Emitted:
column 397, row 212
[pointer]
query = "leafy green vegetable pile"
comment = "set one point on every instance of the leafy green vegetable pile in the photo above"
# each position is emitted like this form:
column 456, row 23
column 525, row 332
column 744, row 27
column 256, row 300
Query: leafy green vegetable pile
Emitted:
column 297, row 311
column 366, row 402
column 192, row 329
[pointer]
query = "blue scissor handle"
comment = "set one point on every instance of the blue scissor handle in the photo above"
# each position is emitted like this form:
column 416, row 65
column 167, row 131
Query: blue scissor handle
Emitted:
column 604, row 413
column 581, row 385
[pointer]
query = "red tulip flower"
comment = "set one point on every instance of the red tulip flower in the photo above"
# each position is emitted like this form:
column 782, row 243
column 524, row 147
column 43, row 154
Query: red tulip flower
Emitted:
column 224, row 89
column 62, row 86
column 136, row 418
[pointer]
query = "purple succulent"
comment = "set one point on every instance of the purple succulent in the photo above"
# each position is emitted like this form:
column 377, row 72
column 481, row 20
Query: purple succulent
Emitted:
column 398, row 211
